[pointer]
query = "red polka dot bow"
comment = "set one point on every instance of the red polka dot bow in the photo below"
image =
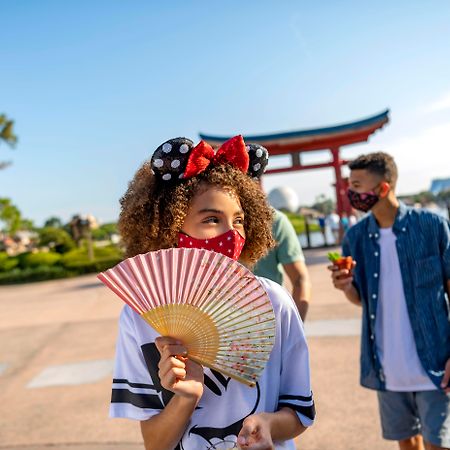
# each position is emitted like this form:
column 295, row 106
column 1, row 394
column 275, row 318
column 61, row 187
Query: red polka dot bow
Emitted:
column 231, row 152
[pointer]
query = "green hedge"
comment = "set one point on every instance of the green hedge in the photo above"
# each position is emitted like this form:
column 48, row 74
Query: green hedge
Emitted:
column 298, row 222
column 7, row 263
column 32, row 260
column 87, row 266
column 41, row 273
column 50, row 265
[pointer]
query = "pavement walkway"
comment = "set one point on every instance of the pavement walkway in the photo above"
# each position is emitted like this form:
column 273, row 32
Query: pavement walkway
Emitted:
column 57, row 346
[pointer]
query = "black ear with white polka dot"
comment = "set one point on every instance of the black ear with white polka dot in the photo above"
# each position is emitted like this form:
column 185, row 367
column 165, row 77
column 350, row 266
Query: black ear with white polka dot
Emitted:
column 170, row 159
column 259, row 158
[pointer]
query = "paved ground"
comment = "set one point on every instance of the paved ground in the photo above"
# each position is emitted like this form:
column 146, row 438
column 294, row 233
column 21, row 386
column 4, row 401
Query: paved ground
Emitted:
column 57, row 345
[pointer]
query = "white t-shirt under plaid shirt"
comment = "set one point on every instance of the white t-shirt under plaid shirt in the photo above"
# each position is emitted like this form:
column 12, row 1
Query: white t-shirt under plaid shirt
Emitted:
column 216, row 422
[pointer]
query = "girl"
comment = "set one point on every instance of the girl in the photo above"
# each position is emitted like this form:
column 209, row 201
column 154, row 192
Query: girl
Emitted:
column 191, row 196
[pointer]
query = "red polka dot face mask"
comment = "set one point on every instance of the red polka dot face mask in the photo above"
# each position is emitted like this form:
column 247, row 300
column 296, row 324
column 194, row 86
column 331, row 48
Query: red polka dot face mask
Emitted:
column 229, row 244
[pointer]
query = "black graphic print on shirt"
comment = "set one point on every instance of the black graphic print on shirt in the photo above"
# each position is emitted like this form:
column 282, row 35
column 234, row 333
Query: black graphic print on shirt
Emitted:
column 206, row 431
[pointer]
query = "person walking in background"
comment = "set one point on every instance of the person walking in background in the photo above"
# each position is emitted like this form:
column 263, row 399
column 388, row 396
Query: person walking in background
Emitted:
column 401, row 280
column 333, row 222
column 287, row 257
column 345, row 222
column 352, row 220
column 321, row 221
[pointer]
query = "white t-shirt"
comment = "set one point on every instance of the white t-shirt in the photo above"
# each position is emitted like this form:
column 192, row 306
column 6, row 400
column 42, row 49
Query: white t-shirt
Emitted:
column 394, row 338
column 215, row 424
column 333, row 221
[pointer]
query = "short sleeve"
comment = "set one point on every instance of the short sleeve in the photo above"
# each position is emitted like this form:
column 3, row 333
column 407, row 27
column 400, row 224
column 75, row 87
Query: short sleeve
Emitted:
column 134, row 395
column 288, row 245
column 295, row 383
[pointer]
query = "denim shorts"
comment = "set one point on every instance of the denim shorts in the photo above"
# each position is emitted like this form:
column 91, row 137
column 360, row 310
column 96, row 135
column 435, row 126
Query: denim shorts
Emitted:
column 406, row 414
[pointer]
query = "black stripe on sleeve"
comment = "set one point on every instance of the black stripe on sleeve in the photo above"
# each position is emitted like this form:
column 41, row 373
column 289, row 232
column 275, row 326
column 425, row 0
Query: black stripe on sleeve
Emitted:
column 307, row 411
column 296, row 397
column 139, row 400
column 133, row 385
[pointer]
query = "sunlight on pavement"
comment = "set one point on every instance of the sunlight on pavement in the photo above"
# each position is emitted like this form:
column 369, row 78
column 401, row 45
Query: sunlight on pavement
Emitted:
column 73, row 374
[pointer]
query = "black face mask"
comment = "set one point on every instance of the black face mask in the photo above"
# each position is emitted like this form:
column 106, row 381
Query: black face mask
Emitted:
column 364, row 201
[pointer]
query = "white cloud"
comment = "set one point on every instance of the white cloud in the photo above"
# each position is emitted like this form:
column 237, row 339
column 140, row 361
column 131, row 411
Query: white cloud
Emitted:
column 441, row 104
column 421, row 157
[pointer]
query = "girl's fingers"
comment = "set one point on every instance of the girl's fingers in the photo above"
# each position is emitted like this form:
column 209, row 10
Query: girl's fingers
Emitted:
column 173, row 350
column 166, row 364
column 170, row 377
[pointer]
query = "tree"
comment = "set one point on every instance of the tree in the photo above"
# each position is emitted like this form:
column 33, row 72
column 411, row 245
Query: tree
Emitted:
column 105, row 231
column 54, row 222
column 56, row 238
column 444, row 197
column 27, row 224
column 324, row 205
column 10, row 216
column 424, row 197
column 6, row 135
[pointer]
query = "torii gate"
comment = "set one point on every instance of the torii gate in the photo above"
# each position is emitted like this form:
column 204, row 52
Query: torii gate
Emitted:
column 329, row 138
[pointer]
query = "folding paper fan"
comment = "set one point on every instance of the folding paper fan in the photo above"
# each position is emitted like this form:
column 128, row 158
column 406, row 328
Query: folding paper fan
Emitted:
column 211, row 303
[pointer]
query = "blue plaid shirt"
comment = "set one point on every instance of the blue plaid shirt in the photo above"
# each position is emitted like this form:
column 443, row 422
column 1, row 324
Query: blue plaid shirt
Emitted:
column 423, row 247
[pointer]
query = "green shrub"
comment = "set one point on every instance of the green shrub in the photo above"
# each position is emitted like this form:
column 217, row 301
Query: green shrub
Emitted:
column 56, row 238
column 79, row 256
column 86, row 266
column 298, row 222
column 7, row 263
column 36, row 274
column 42, row 266
column 40, row 259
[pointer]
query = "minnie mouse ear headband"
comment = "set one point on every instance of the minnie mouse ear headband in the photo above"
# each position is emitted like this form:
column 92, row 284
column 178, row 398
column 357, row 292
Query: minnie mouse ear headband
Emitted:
column 178, row 159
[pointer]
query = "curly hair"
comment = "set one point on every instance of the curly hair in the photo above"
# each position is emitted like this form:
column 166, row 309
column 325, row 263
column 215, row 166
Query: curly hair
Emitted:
column 153, row 213
column 378, row 163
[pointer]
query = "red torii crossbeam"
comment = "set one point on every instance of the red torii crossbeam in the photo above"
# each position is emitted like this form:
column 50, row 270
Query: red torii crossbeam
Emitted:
column 328, row 138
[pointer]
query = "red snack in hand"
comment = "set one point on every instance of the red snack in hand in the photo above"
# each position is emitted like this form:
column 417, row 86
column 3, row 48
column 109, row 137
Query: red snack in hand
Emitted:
column 341, row 262
column 344, row 262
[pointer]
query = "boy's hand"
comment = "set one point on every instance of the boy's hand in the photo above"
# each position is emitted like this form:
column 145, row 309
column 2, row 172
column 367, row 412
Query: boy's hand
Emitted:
column 446, row 378
column 176, row 372
column 342, row 278
column 255, row 434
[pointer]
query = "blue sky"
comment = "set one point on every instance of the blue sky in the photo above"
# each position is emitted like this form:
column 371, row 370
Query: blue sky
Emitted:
column 96, row 86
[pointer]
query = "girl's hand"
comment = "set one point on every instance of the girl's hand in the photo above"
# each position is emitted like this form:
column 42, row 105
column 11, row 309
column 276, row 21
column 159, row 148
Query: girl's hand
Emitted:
column 177, row 373
column 255, row 434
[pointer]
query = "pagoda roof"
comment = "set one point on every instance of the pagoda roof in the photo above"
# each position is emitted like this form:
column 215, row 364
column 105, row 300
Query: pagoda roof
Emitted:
column 312, row 139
